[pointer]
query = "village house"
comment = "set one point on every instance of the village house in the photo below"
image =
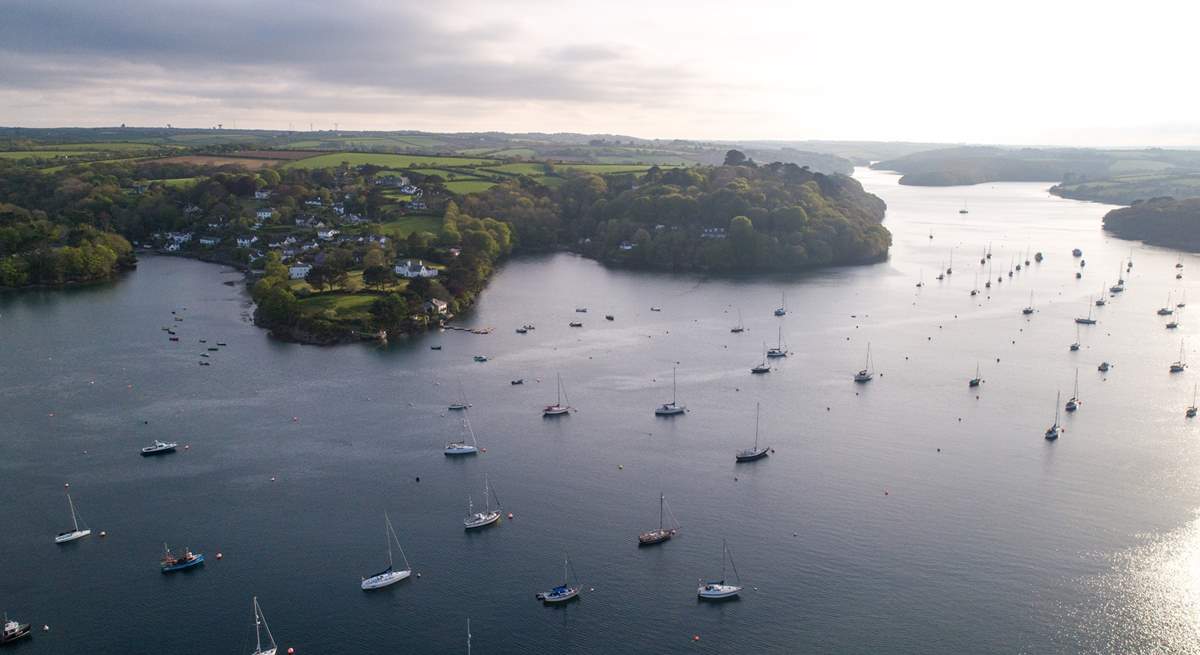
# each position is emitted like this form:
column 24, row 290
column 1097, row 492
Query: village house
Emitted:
column 264, row 214
column 414, row 268
column 327, row 235
column 713, row 233
column 417, row 204
column 627, row 245
column 299, row 271
column 315, row 202
column 262, row 195
column 209, row 242
column 247, row 241
column 433, row 305
column 179, row 238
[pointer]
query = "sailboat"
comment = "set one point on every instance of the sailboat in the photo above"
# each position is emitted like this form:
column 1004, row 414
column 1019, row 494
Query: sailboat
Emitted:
column 77, row 533
column 1089, row 320
column 1074, row 401
column 390, row 575
column 663, row 533
column 975, row 381
column 964, row 208
column 987, row 284
column 462, row 447
column 1075, row 346
column 1180, row 365
column 751, row 454
column 868, row 372
column 1028, row 309
column 488, row 516
column 940, row 276
column 782, row 309
column 1100, row 301
column 764, row 367
column 950, row 268
column 558, row 408
column 717, row 589
column 564, row 591
column 1183, row 301
column 461, row 403
column 779, row 350
column 739, row 328
column 1027, row 249
column 921, row 279
column 1054, row 430
column 1191, row 411
column 975, row 287
column 1166, row 310
column 1010, row 266
column 672, row 408
column 260, row 624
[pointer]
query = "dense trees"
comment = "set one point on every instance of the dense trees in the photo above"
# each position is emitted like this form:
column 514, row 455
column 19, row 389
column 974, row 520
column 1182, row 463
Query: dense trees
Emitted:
column 1159, row 221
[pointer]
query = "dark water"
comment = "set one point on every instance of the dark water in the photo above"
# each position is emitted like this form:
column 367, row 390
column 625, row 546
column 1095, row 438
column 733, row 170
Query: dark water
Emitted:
column 856, row 536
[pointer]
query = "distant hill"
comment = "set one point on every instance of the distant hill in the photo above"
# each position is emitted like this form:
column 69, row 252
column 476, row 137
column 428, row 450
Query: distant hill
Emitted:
column 1159, row 221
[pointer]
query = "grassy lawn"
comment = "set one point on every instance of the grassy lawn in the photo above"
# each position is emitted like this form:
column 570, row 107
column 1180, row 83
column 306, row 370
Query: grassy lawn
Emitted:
column 180, row 182
column 469, row 186
column 603, row 169
column 45, row 154
column 531, row 169
column 112, row 146
column 353, row 305
column 334, row 160
column 400, row 228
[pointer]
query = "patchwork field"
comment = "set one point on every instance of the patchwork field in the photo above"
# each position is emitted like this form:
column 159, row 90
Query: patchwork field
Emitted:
column 400, row 228
column 215, row 160
column 469, row 186
column 333, row 160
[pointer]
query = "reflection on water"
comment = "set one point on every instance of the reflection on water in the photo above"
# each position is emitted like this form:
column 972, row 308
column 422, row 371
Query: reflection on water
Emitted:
column 1148, row 600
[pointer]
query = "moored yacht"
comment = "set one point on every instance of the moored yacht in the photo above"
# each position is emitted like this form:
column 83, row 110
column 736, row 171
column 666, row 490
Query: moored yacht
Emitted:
column 718, row 589
column 563, row 592
column 159, row 448
column 558, row 408
column 14, row 631
column 665, row 530
column 187, row 559
column 390, row 575
column 77, row 532
column 488, row 516
column 867, row 373
column 755, row 452
column 1054, row 430
column 468, row 446
column 672, row 408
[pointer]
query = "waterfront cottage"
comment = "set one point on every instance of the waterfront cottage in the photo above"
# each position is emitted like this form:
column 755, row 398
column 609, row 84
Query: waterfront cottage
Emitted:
column 413, row 269
column 299, row 271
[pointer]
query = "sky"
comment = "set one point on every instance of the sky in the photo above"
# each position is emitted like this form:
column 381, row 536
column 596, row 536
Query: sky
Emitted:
column 1016, row 72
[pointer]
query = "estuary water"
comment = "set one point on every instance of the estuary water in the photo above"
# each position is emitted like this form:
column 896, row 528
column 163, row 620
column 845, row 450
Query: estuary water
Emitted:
column 911, row 514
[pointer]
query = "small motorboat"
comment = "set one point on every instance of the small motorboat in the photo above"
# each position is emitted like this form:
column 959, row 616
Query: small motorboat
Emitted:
column 609, row 317
column 581, row 310
column 656, row 308
column 1172, row 325
column 171, row 563
column 522, row 330
column 14, row 631
column 222, row 343
column 213, row 349
column 575, row 324
column 173, row 338
column 517, row 381
column 1078, row 275
column 159, row 448
column 1104, row 367
column 435, row 347
column 1077, row 253
column 205, row 363
column 1038, row 257
column 528, row 326
column 481, row 358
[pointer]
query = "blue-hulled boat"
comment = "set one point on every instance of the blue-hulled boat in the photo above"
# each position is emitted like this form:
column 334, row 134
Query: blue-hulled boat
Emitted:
column 172, row 563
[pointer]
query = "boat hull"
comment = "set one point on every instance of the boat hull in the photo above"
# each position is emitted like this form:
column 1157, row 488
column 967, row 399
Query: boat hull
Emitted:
column 552, row 597
column 11, row 634
column 481, row 520
column 150, row 451
column 384, row 580
column 655, row 537
column 718, row 591
column 556, row 410
column 68, row 537
column 669, row 410
column 183, row 566
column 458, row 450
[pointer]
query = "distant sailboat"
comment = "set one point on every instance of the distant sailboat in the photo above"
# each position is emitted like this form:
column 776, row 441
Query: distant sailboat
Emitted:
column 77, row 532
column 1183, row 301
column 1074, row 401
column 780, row 350
column 1100, row 301
column 868, row 372
column 665, row 531
column 975, row 381
column 1075, row 346
column 717, row 589
column 950, row 267
column 751, row 454
column 1089, row 320
column 468, row 446
column 461, row 403
column 941, row 276
column 921, row 279
column 1029, row 308
column 672, row 408
column 260, row 625
column 1191, row 411
column 1054, row 430
column 1166, row 309
column 563, row 592
column 782, row 310
column 1179, row 365
column 488, row 516
column 739, row 328
column 763, row 367
column 390, row 575
column 558, row 408
column 964, row 208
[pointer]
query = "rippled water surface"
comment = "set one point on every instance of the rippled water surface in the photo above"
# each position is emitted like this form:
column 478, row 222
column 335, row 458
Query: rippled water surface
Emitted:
column 911, row 514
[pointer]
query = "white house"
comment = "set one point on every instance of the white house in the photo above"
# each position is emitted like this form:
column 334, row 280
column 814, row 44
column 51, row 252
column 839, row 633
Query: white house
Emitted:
column 262, row 195
column 209, row 242
column 299, row 271
column 264, row 214
column 713, row 233
column 179, row 237
column 413, row 269
column 435, row 305
column 327, row 235
column 246, row 242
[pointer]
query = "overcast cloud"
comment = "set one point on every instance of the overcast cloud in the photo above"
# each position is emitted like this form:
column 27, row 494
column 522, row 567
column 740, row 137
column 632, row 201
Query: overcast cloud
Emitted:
column 1014, row 72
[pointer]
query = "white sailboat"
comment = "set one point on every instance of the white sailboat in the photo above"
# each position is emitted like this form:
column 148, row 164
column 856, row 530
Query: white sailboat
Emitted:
column 260, row 625
column 868, row 371
column 1054, row 430
column 763, row 367
column 717, row 589
column 563, row 592
column 1029, row 309
column 1179, row 365
column 488, row 516
column 77, row 532
column 558, row 408
column 1075, row 346
column 751, row 454
column 1183, row 301
column 468, row 446
column 975, row 286
column 461, row 403
column 1166, row 309
column 1191, row 411
column 739, row 328
column 975, row 381
column 1073, row 402
column 672, row 408
column 1089, row 320
column 1100, row 301
column 782, row 310
column 780, row 350
column 390, row 575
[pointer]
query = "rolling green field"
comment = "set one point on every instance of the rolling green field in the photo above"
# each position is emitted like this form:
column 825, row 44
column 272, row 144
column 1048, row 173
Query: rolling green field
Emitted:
column 114, row 146
column 524, row 168
column 353, row 305
column 604, row 169
column 400, row 228
column 334, row 160
column 46, row 154
column 469, row 186
column 180, row 182
column 447, row 174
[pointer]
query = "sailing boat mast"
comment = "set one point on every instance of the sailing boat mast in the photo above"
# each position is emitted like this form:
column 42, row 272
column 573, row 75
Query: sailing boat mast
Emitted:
column 757, row 410
column 74, row 519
